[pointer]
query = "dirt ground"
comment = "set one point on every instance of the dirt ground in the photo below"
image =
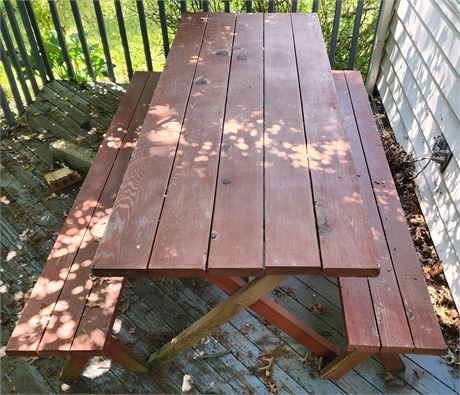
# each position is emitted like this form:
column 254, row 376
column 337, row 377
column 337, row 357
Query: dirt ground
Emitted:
column 404, row 174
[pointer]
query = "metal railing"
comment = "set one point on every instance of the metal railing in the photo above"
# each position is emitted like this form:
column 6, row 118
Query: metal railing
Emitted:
column 28, row 66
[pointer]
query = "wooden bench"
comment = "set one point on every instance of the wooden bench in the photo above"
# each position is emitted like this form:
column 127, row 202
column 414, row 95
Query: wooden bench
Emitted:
column 69, row 312
column 390, row 314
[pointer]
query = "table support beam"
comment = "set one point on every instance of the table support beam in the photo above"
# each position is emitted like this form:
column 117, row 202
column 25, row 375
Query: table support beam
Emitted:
column 280, row 318
column 241, row 299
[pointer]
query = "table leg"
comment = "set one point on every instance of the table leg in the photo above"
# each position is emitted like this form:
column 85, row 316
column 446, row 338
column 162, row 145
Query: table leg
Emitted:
column 220, row 314
column 343, row 364
column 74, row 367
column 280, row 318
column 392, row 362
column 120, row 354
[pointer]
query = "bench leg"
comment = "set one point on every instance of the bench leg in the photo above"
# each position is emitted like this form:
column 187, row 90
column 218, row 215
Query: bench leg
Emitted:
column 220, row 314
column 343, row 364
column 120, row 354
column 280, row 318
column 74, row 367
column 392, row 362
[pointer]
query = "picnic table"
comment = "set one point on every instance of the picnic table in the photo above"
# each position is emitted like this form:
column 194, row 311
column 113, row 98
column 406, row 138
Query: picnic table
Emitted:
column 252, row 159
column 242, row 168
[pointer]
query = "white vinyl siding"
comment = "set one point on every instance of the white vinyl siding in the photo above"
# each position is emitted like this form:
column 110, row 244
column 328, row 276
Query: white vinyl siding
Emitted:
column 419, row 82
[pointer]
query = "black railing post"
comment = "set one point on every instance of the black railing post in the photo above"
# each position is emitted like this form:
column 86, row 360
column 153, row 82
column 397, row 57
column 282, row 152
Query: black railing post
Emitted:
column 294, row 6
column 183, row 6
column 21, row 47
column 103, row 35
column 271, row 6
column 164, row 26
column 82, row 37
column 354, row 40
column 60, row 36
column 335, row 31
column 315, row 6
column 11, row 79
column 14, row 59
column 38, row 36
column 226, row 5
column 6, row 108
column 205, row 5
column 144, row 33
column 248, row 6
column 124, row 37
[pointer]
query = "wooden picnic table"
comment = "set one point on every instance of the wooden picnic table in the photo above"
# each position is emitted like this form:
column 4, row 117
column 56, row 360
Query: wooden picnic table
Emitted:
column 243, row 166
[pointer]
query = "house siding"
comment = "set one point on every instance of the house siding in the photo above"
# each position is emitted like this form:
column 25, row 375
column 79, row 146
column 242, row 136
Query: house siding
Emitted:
column 419, row 83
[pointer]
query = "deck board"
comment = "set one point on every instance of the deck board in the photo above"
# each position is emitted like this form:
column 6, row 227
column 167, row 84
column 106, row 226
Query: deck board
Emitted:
column 145, row 330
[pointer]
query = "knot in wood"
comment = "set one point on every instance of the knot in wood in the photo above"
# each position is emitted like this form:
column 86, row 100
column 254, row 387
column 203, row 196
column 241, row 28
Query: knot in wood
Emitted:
column 202, row 81
column 221, row 52
column 226, row 181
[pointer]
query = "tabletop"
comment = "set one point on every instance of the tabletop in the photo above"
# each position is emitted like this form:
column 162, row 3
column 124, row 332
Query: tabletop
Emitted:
column 242, row 166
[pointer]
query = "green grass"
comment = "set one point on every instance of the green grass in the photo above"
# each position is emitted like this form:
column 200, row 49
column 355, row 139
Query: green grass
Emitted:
column 325, row 12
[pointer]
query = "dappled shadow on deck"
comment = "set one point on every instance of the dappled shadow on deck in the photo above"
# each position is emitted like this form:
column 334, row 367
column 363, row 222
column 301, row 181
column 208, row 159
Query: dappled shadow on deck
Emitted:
column 154, row 310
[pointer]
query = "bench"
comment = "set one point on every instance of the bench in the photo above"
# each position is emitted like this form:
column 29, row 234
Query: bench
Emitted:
column 70, row 313
column 390, row 314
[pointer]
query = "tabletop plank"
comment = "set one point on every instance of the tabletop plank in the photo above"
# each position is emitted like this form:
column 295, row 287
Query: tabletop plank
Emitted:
column 346, row 240
column 237, row 230
column 126, row 246
column 182, row 240
column 290, row 231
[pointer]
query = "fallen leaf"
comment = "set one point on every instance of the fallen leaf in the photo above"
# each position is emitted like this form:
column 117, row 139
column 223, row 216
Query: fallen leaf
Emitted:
column 389, row 377
column 316, row 308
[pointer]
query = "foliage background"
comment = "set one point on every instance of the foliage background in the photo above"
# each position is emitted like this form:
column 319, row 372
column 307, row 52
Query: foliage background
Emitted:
column 325, row 12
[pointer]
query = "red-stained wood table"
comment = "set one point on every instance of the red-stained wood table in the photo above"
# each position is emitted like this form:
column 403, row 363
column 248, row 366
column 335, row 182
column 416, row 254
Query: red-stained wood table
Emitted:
column 242, row 168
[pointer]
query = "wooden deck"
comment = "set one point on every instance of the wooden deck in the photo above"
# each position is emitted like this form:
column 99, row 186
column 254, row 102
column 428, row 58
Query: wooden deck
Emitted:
column 228, row 362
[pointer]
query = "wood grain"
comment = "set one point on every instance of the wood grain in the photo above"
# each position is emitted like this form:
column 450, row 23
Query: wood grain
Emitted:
column 237, row 227
column 427, row 336
column 291, row 243
column 69, row 309
column 35, row 317
column 381, row 313
column 128, row 240
column 346, row 240
column 181, row 243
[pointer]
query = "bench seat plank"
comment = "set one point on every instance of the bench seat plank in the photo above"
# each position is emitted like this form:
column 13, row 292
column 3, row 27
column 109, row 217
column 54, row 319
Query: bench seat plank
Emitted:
column 338, row 201
column 384, row 317
column 424, row 326
column 31, row 326
column 405, row 318
column 68, row 312
column 239, row 193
